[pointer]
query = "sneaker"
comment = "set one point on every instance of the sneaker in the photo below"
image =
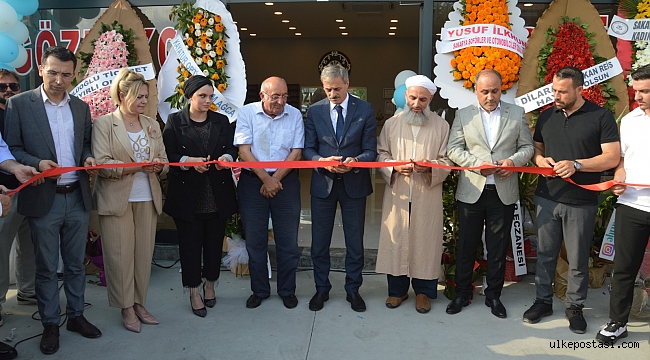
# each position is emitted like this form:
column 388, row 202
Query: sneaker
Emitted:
column 537, row 311
column 577, row 322
column 613, row 331
column 26, row 300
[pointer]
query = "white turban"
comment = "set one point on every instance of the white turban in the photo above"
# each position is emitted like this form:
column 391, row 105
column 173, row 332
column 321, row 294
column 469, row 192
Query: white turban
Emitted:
column 423, row 81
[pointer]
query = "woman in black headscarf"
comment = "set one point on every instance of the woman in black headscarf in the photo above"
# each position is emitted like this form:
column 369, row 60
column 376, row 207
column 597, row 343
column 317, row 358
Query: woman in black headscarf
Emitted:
column 200, row 198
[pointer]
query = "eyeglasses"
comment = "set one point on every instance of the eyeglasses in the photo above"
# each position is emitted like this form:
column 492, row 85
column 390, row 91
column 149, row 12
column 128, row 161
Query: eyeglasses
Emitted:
column 55, row 74
column 12, row 86
column 277, row 97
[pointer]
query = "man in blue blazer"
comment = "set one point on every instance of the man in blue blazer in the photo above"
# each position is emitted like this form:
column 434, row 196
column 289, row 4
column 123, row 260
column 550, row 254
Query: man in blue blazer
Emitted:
column 340, row 128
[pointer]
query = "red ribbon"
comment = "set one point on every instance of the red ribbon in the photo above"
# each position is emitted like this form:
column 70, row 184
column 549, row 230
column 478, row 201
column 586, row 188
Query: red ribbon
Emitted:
column 311, row 164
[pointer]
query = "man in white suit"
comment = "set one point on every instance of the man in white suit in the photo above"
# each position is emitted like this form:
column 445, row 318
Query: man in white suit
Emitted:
column 487, row 132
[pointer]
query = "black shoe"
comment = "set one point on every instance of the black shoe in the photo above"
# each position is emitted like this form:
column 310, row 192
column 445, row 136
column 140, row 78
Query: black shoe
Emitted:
column 254, row 301
column 26, row 300
column 613, row 331
column 577, row 322
column 82, row 326
column 7, row 352
column 537, row 311
column 356, row 302
column 318, row 300
column 50, row 339
column 202, row 312
column 290, row 301
column 456, row 305
column 208, row 302
column 497, row 307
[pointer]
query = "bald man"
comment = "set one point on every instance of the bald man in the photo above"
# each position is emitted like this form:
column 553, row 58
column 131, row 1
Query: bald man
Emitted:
column 410, row 239
column 270, row 130
column 490, row 131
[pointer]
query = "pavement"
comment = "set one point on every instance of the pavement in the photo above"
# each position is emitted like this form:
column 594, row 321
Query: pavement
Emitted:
column 231, row 331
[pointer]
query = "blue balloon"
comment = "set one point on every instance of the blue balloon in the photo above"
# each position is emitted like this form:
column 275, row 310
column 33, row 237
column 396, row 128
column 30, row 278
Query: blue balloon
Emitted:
column 399, row 97
column 5, row 66
column 9, row 48
column 24, row 7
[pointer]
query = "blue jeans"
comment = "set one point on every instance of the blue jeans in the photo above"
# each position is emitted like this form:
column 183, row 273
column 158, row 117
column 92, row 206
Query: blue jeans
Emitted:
column 65, row 227
column 285, row 214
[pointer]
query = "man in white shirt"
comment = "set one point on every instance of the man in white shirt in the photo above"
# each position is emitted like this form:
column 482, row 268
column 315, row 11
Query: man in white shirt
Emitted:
column 270, row 130
column 488, row 132
column 632, row 226
column 48, row 128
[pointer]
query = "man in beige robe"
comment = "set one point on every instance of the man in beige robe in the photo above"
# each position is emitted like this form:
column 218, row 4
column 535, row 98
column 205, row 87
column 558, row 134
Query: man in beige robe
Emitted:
column 410, row 241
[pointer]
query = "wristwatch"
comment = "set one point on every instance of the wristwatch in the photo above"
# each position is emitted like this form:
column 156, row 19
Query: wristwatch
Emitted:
column 577, row 165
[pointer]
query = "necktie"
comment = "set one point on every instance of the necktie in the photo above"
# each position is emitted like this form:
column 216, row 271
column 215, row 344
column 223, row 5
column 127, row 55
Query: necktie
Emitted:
column 339, row 122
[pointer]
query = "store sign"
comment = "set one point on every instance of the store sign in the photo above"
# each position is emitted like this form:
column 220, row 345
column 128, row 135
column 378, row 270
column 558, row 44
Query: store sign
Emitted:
column 334, row 57
column 71, row 39
column 594, row 75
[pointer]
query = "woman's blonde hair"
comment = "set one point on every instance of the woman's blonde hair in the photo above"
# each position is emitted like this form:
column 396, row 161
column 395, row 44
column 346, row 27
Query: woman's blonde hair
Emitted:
column 127, row 82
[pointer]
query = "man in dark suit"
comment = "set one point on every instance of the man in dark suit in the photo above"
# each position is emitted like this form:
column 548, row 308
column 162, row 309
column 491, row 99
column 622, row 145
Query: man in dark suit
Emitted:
column 488, row 132
column 340, row 128
column 48, row 128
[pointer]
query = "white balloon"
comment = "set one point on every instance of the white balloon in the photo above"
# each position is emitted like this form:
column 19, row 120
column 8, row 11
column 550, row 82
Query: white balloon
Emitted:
column 400, row 79
column 20, row 59
column 19, row 33
column 8, row 16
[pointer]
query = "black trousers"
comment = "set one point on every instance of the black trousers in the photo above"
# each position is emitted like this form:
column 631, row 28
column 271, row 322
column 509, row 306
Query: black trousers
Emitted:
column 398, row 286
column 201, row 236
column 497, row 218
column 631, row 232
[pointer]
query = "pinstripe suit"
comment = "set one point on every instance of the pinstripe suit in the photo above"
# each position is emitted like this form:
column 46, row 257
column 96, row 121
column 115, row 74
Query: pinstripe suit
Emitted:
column 128, row 228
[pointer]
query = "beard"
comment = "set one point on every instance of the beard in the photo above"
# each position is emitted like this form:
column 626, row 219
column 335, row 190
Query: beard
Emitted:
column 417, row 119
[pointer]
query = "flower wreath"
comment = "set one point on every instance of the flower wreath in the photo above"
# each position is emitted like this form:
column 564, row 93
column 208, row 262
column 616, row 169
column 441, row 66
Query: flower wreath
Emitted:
column 205, row 37
column 570, row 44
column 113, row 49
column 469, row 61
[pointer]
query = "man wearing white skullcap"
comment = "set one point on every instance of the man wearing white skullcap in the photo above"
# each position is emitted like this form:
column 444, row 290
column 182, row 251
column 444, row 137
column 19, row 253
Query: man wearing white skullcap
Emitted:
column 410, row 240
column 487, row 132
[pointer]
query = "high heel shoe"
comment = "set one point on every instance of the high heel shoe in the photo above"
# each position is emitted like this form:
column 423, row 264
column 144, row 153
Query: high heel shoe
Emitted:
column 202, row 312
column 134, row 326
column 144, row 316
column 208, row 302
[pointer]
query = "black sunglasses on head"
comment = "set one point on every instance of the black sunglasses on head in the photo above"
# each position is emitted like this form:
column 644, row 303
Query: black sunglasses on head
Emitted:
column 12, row 86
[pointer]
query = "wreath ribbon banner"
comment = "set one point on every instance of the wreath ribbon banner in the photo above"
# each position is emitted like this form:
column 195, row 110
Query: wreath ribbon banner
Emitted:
column 225, row 107
column 105, row 79
column 630, row 29
column 461, row 37
column 594, row 75
column 314, row 164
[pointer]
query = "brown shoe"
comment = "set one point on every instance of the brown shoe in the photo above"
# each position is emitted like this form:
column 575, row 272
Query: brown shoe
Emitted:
column 422, row 304
column 394, row 301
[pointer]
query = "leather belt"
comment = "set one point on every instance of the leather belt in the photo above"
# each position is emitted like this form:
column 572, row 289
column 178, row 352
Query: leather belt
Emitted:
column 250, row 173
column 68, row 188
column 490, row 187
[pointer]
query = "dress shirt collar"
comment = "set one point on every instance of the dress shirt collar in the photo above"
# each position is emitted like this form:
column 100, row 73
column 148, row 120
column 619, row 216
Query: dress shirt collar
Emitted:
column 46, row 99
column 344, row 104
column 498, row 108
column 260, row 110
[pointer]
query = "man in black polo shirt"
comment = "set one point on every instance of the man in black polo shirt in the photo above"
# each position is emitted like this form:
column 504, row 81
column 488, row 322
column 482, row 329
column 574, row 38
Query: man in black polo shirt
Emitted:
column 579, row 140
